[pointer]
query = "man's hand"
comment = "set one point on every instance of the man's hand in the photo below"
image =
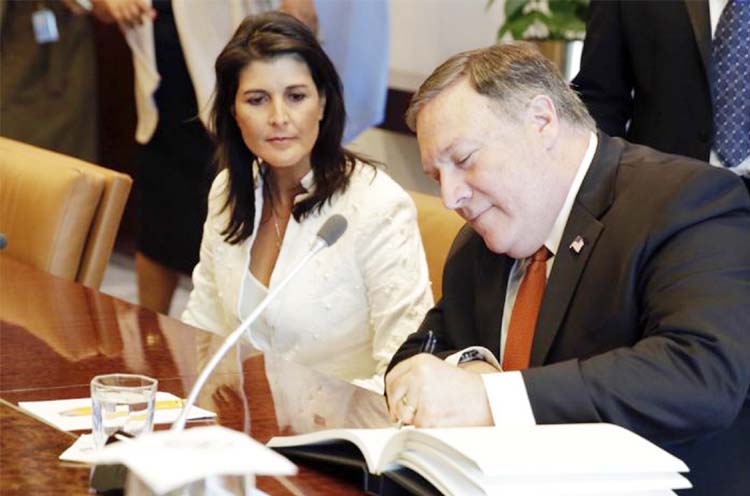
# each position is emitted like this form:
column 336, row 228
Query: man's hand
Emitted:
column 427, row 392
column 129, row 13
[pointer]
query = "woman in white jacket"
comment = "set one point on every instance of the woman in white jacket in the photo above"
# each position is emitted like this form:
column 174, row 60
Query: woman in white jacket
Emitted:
column 174, row 44
column 278, row 119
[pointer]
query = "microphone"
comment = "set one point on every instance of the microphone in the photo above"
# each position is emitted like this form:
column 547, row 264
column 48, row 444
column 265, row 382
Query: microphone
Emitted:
column 327, row 235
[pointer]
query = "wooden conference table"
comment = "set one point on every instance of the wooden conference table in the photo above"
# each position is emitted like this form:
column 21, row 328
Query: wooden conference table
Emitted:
column 55, row 335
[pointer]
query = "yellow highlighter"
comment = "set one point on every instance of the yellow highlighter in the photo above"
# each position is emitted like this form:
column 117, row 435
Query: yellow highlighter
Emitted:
column 82, row 411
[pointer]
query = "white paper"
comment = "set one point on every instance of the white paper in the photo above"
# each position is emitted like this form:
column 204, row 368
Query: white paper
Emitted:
column 167, row 460
column 83, row 450
column 51, row 411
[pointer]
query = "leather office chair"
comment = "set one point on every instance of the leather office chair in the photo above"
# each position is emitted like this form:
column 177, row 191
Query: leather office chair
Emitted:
column 58, row 213
column 438, row 227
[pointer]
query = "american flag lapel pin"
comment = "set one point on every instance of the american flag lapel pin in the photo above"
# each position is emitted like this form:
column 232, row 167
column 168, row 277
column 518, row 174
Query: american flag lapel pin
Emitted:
column 577, row 245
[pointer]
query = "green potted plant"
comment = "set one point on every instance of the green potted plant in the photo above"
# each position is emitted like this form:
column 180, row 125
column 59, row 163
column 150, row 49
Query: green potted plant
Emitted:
column 555, row 26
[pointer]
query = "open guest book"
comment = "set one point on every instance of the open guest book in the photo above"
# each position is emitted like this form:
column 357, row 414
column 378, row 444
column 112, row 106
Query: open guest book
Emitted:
column 550, row 460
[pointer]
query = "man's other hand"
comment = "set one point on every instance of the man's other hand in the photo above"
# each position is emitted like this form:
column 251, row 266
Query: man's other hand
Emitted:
column 425, row 391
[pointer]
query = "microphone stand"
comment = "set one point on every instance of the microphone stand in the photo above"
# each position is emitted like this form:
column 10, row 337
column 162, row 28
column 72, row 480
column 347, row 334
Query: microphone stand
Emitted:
column 111, row 477
column 179, row 424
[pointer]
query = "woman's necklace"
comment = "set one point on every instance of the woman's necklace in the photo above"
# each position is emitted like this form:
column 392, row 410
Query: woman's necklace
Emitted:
column 274, row 217
column 276, row 227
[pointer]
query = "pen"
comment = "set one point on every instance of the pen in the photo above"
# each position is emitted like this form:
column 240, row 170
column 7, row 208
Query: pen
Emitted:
column 428, row 346
column 86, row 410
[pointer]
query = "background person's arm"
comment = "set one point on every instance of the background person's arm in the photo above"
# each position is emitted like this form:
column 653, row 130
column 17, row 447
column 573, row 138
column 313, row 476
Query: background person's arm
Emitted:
column 303, row 10
column 128, row 13
column 605, row 81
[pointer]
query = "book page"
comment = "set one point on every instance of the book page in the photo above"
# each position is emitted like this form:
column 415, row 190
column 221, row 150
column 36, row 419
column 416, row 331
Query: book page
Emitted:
column 450, row 478
column 461, row 469
column 551, row 449
column 566, row 459
column 371, row 442
column 586, row 485
column 443, row 477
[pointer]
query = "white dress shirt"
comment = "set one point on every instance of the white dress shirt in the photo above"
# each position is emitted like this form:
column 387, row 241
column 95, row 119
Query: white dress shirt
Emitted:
column 347, row 312
column 506, row 391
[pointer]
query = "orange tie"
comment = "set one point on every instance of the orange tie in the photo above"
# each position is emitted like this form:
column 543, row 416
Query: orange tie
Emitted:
column 525, row 312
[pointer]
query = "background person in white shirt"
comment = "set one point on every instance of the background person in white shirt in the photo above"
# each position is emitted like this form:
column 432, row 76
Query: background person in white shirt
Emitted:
column 278, row 120
column 642, row 314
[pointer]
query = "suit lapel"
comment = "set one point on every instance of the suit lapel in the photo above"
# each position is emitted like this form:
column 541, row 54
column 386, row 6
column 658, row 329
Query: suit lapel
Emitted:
column 700, row 20
column 563, row 280
column 594, row 198
column 492, row 276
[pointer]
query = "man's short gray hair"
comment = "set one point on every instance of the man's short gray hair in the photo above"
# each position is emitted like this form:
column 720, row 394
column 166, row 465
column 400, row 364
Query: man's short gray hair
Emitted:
column 511, row 74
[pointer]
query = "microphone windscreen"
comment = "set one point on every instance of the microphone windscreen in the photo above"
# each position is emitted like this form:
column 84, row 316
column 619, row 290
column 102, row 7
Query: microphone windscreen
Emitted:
column 333, row 228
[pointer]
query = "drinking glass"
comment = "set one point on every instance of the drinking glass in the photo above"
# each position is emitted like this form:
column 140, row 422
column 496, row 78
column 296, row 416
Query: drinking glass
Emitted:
column 122, row 402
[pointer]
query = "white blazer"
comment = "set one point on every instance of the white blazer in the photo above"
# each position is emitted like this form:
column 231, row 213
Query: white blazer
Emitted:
column 347, row 312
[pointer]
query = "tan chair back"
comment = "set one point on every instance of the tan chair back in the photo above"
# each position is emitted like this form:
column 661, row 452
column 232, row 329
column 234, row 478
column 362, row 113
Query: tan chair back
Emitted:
column 438, row 227
column 58, row 213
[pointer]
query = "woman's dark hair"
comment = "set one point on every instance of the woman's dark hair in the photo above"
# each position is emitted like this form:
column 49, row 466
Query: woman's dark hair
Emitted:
column 264, row 37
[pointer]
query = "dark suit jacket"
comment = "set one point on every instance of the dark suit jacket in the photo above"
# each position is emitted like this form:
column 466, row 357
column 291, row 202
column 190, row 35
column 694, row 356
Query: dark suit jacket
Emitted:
column 648, row 327
column 647, row 62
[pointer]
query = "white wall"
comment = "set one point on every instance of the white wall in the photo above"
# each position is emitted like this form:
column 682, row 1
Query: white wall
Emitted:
column 424, row 33
column 400, row 155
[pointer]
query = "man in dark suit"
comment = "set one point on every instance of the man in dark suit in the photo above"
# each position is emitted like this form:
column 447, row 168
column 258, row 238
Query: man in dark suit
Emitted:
column 647, row 69
column 611, row 281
